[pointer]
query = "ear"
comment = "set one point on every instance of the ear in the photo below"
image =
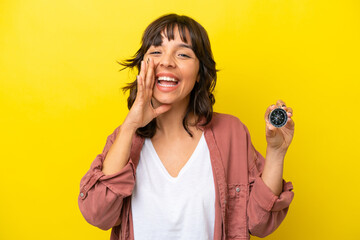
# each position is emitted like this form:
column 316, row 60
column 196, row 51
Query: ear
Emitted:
column 198, row 78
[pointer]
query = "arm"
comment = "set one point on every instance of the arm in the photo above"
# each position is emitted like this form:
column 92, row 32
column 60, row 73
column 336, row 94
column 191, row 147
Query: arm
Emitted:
column 119, row 152
column 265, row 210
column 111, row 177
column 278, row 140
column 273, row 171
column 101, row 196
column 270, row 195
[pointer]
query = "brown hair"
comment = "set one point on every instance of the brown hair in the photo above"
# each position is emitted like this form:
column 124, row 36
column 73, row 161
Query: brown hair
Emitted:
column 201, row 97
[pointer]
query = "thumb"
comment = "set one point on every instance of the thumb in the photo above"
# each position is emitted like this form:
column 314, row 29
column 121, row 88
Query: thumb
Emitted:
column 270, row 130
column 161, row 109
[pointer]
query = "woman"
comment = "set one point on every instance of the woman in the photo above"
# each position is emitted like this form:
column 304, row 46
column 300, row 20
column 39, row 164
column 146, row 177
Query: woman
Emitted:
column 176, row 170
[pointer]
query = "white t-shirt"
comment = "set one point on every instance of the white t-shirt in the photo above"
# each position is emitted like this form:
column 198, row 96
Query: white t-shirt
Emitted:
column 166, row 207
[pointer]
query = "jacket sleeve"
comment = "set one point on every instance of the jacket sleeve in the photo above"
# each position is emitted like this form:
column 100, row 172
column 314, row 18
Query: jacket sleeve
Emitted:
column 265, row 210
column 101, row 196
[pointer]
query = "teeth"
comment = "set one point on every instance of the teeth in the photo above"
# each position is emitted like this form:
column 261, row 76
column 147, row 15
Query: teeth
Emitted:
column 165, row 85
column 167, row 79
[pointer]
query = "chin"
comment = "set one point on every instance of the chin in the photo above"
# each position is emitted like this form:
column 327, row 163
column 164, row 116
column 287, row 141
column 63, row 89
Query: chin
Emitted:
column 169, row 98
column 159, row 100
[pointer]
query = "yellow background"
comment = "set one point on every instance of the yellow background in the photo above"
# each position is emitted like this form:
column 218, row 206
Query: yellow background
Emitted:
column 60, row 98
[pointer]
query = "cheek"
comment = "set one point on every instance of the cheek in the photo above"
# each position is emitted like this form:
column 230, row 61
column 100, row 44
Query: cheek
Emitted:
column 196, row 68
column 156, row 61
column 191, row 71
column 194, row 74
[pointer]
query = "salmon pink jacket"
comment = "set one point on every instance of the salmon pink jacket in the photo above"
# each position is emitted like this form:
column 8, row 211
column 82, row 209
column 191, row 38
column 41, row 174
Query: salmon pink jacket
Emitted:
column 244, row 205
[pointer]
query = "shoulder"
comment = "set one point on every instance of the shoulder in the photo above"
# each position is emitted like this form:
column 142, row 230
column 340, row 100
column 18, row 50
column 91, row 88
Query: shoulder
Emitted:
column 226, row 124
column 224, row 120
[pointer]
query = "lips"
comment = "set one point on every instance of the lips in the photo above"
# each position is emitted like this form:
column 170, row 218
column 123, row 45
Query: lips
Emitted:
column 166, row 81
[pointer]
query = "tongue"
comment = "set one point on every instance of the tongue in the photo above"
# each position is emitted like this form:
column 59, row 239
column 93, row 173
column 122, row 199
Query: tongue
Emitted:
column 167, row 82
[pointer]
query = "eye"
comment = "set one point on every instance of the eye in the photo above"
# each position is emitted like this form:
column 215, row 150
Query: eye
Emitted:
column 184, row 55
column 155, row 52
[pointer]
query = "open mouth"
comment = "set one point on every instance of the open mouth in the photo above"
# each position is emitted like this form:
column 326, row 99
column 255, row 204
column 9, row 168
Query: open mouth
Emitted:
column 164, row 81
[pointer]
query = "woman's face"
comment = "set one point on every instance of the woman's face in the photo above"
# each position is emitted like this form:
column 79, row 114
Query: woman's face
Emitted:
column 176, row 70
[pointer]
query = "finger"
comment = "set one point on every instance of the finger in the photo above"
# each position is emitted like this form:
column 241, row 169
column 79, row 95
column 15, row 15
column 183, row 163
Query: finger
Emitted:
column 142, row 70
column 270, row 130
column 150, row 74
column 153, row 79
column 140, row 86
column 146, row 65
column 289, row 111
column 267, row 112
column 161, row 109
column 280, row 103
column 290, row 123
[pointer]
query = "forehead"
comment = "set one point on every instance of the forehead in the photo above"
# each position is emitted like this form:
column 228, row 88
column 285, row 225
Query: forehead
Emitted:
column 171, row 32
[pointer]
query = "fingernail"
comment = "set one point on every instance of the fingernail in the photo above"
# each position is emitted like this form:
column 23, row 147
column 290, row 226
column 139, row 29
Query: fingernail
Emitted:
column 148, row 60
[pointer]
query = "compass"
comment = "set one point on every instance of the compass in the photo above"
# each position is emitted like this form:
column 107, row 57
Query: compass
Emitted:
column 278, row 117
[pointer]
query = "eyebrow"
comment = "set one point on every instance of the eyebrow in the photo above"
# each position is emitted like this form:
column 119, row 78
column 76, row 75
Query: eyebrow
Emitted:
column 185, row 46
column 182, row 45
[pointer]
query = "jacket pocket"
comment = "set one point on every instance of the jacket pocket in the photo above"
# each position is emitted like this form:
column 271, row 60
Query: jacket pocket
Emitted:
column 236, row 211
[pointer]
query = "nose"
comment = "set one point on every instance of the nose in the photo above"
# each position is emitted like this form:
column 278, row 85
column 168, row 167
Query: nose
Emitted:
column 166, row 60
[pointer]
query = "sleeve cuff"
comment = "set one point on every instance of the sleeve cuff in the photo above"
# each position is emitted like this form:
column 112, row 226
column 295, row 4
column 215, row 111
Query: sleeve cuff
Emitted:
column 121, row 183
column 268, row 200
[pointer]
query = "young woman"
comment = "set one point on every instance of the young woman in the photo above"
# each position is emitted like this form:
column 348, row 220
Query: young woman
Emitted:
column 176, row 170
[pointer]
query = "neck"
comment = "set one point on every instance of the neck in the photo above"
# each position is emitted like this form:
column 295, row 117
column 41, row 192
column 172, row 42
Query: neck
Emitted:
column 170, row 123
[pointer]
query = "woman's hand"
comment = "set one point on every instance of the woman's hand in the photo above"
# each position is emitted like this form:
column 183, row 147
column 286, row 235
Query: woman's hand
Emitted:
column 279, row 139
column 142, row 111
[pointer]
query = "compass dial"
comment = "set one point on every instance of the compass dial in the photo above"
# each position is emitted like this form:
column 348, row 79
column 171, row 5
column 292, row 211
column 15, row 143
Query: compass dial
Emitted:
column 278, row 117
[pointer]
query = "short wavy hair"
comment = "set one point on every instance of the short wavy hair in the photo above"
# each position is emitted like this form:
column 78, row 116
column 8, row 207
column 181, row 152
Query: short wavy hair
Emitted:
column 201, row 97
